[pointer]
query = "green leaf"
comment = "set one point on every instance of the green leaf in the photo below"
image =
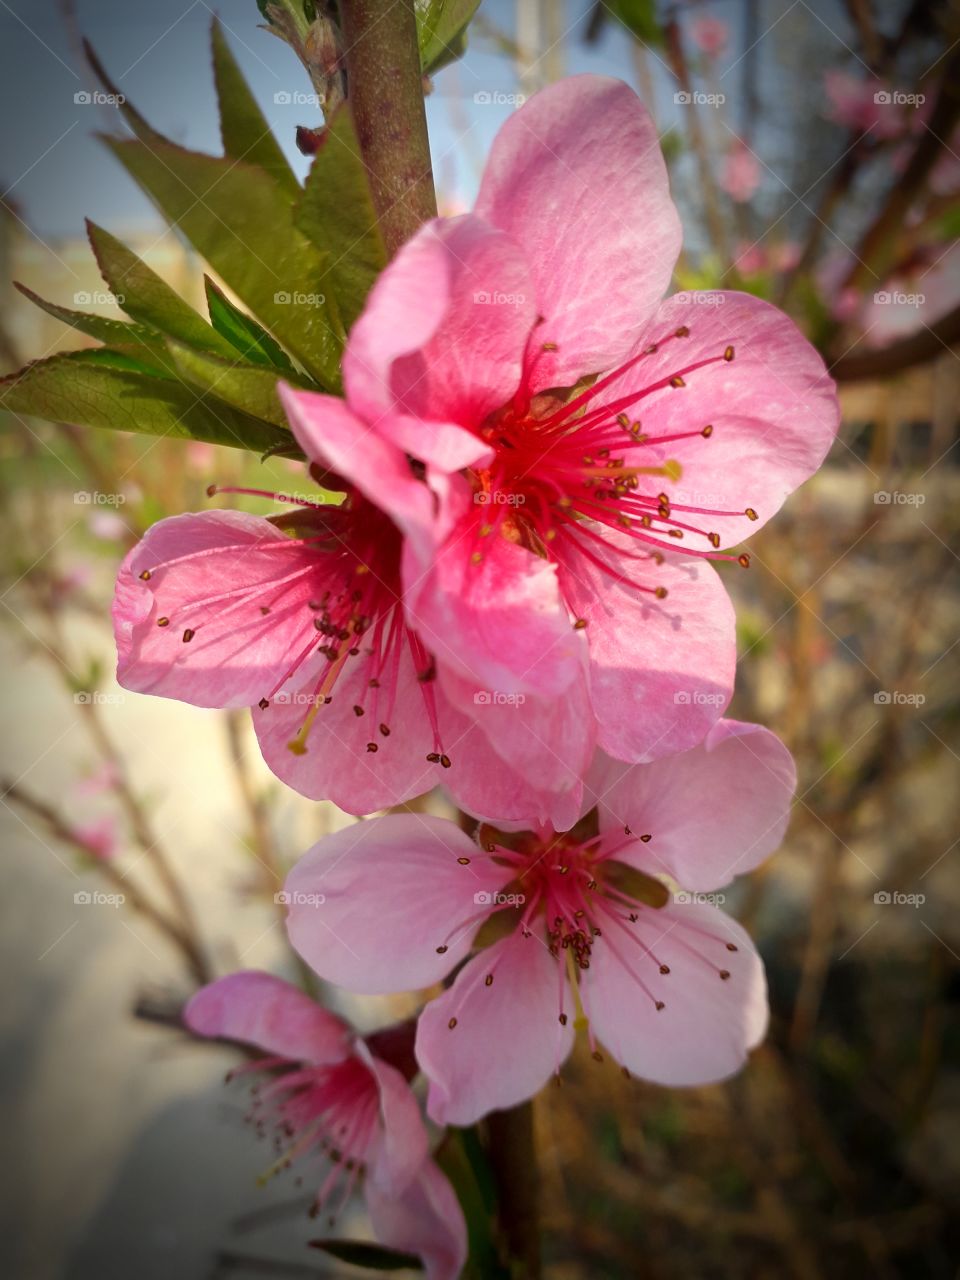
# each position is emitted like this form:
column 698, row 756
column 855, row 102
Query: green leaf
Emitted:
column 134, row 339
column 375, row 1257
column 640, row 19
column 243, row 126
column 442, row 30
column 337, row 214
column 73, row 388
column 250, row 388
column 144, row 296
column 242, row 223
column 243, row 333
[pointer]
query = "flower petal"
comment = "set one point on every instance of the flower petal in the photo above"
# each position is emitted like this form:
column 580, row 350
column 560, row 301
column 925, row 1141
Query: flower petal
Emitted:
column 661, row 671
column 485, row 1046
column 713, row 812
column 773, row 408
column 443, row 334
column 707, row 1024
column 256, row 1008
column 403, row 1145
column 577, row 178
column 426, row 1220
column 225, row 582
column 369, row 906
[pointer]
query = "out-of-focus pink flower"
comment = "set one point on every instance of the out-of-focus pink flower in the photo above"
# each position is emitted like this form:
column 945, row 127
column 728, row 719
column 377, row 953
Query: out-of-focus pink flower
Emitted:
column 201, row 456
column 740, row 172
column 751, row 259
column 107, row 526
column 98, row 837
column 589, row 936
column 710, row 35
column 103, row 779
column 860, row 104
column 330, row 1100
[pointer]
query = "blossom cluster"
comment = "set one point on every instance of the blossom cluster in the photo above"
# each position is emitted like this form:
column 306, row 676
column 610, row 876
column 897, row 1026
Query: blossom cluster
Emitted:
column 541, row 461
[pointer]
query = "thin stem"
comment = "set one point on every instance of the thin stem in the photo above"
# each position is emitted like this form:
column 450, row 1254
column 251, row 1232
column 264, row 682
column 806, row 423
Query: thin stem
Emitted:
column 385, row 94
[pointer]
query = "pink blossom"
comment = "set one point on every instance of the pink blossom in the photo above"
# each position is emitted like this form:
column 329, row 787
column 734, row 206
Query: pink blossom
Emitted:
column 330, row 1099
column 589, row 935
column 740, row 173
column 710, row 35
column 565, row 571
column 862, row 104
column 98, row 837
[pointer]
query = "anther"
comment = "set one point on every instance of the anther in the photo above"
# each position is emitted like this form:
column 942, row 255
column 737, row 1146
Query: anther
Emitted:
column 433, row 757
column 452, row 1023
column 724, row 974
column 163, row 622
column 707, row 431
column 661, row 593
column 728, row 354
column 751, row 514
column 464, row 862
column 372, row 748
column 580, row 624
column 145, row 576
column 211, row 490
column 358, row 711
column 731, row 946
column 488, row 980
column 445, row 762
column 677, row 381
column 714, row 539
column 744, row 561
column 263, row 704
column 442, row 950
column 563, row 1019
column 664, row 968
column 646, row 839
column 188, row 635
column 682, row 332
column 659, row 1005
column 549, row 346
column 385, row 730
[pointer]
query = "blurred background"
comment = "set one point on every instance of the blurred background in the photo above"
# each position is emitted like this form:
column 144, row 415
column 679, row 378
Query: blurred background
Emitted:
column 815, row 156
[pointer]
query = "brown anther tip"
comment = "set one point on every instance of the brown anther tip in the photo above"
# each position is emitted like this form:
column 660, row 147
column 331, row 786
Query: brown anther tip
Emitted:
column 385, row 730
column 731, row 946
column 488, row 980
column 211, row 490
column 452, row 1023
column 664, row 968
column 464, row 862
column 724, row 974
column 549, row 346
column 163, row 622
column 682, row 332
column 597, row 1055
column 728, row 354
column 372, row 748
column 627, row 831
column 433, row 757
column 623, row 420
column 563, row 1019
column 707, row 431
column 677, row 381
column 374, row 683
column 264, row 610
column 358, row 711
column 751, row 514
column 714, row 539
column 445, row 762
column 145, row 576
column 661, row 593
column 659, row 1005
column 476, row 557
column 442, row 950
column 743, row 561
column 263, row 704
column 188, row 635
column 580, row 624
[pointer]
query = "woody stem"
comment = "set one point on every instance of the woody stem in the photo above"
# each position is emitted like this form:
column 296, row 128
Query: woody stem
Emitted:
column 511, row 1145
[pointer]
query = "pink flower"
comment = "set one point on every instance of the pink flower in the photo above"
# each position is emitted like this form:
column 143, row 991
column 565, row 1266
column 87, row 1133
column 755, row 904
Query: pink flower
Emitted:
column 864, row 105
column 563, row 584
column 710, row 35
column 588, row 935
column 330, row 1098
column 300, row 617
column 740, row 173
column 98, row 837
